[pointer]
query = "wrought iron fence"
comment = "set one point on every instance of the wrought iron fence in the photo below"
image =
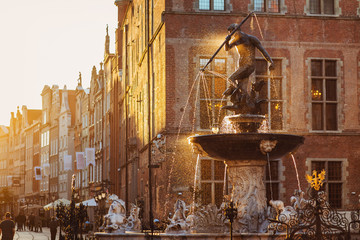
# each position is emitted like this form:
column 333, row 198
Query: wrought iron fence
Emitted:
column 316, row 220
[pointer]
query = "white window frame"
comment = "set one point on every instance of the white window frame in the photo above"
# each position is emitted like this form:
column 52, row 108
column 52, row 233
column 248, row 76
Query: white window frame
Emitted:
column 282, row 8
column 44, row 117
column 225, row 101
column 344, row 175
column 338, row 97
column 337, row 9
column 212, row 181
column 278, row 181
column 227, row 7
column 284, row 64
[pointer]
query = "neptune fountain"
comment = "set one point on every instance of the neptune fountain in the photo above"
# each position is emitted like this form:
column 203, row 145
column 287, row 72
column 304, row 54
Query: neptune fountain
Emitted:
column 246, row 152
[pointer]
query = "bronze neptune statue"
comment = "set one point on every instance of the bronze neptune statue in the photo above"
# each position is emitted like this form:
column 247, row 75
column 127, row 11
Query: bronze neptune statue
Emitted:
column 243, row 101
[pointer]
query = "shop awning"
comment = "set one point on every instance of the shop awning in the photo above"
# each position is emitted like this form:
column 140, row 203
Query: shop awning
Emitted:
column 56, row 203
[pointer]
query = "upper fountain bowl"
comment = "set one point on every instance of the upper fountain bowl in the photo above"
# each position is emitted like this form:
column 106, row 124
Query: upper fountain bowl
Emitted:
column 246, row 146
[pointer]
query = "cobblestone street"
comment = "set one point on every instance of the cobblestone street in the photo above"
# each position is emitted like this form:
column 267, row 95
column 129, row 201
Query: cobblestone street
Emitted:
column 25, row 235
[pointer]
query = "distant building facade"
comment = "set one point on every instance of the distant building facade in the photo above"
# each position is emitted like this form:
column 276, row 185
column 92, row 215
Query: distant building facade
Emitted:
column 46, row 95
column 66, row 142
column 54, row 142
column 20, row 174
column 4, row 152
column 32, row 186
column 4, row 162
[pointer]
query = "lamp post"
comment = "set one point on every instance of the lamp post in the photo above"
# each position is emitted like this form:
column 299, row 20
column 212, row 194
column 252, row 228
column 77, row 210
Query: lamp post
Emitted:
column 71, row 217
column 52, row 200
column 230, row 213
column 100, row 199
column 99, row 216
column 100, row 194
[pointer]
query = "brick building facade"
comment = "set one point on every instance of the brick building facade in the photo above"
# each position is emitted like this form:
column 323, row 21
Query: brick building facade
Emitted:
column 313, row 92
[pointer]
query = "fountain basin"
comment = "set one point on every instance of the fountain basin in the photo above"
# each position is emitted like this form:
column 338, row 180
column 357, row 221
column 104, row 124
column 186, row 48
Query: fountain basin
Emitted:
column 245, row 146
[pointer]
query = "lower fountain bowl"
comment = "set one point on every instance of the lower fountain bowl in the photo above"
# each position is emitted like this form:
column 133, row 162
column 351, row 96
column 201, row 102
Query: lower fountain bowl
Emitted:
column 245, row 146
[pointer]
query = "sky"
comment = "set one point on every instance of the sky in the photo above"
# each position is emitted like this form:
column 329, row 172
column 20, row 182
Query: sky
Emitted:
column 48, row 42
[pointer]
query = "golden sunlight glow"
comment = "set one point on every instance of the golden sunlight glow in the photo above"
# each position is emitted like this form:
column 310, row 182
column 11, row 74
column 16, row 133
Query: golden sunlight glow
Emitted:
column 215, row 130
column 48, row 42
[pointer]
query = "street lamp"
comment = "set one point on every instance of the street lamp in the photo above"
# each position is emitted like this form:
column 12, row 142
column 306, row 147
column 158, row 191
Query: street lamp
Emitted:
column 230, row 212
column 100, row 198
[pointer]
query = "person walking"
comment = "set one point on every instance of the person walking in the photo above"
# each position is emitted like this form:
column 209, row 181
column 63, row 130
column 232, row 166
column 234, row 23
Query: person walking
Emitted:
column 32, row 221
column 7, row 228
column 22, row 221
column 17, row 222
column 27, row 222
column 53, row 227
column 38, row 223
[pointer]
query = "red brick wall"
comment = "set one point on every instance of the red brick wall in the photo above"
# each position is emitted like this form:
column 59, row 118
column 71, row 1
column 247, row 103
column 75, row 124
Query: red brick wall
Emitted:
column 284, row 36
column 325, row 147
column 295, row 37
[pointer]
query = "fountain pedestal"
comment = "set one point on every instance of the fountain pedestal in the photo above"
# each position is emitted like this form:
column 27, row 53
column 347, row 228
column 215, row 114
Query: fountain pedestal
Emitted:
column 246, row 155
column 248, row 194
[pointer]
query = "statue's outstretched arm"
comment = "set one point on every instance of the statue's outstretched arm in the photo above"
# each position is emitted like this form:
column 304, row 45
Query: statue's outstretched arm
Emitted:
column 231, row 41
column 264, row 53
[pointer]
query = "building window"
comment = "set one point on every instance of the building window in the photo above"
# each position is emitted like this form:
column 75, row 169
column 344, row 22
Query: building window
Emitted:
column 56, row 146
column 272, row 6
column 333, row 185
column 212, row 181
column 272, row 91
column 268, row 6
column 322, row 7
column 91, row 173
column 216, row 5
column 212, row 87
column 272, row 180
column 44, row 117
column 324, row 100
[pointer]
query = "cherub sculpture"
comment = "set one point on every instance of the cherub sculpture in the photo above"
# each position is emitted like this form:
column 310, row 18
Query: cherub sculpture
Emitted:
column 178, row 221
column 116, row 217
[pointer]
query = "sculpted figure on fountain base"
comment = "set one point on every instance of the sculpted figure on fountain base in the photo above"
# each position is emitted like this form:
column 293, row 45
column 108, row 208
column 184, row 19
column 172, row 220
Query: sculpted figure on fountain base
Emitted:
column 116, row 222
column 178, row 223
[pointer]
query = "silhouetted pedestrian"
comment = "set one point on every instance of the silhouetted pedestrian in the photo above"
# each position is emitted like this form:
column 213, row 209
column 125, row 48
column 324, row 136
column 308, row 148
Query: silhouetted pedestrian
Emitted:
column 53, row 227
column 22, row 221
column 7, row 228
column 38, row 224
column 32, row 221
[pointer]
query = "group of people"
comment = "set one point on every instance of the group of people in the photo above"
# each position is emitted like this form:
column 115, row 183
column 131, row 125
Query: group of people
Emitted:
column 32, row 222
column 7, row 226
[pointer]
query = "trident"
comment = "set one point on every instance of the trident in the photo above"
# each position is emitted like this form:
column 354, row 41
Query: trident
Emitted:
column 229, row 36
